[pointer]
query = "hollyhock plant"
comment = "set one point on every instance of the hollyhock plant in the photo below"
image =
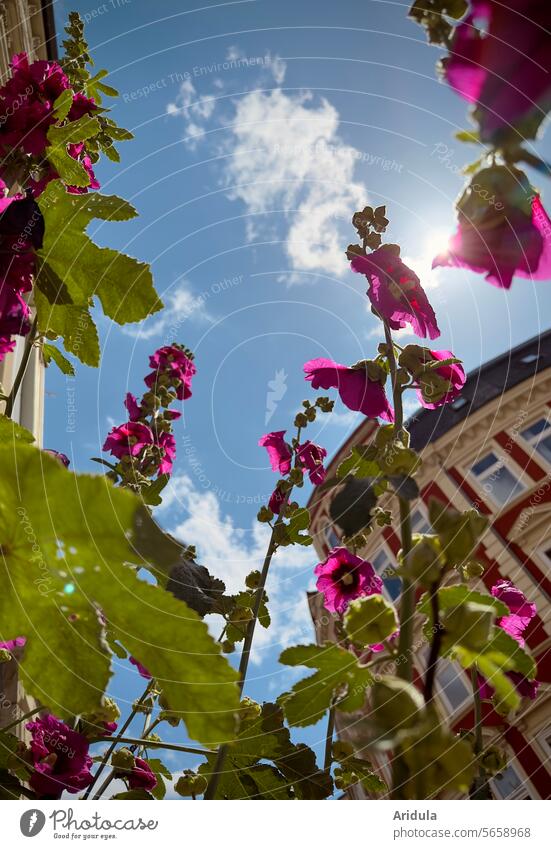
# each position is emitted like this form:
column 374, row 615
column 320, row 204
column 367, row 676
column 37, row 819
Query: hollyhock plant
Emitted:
column 507, row 237
column 60, row 758
column 134, row 410
column 521, row 613
column 276, row 501
column 128, row 439
column 500, row 61
column 356, row 389
column 58, row 455
column 78, row 152
column 167, row 444
column 279, row 451
column 395, row 291
column 10, row 645
column 141, row 776
column 311, row 457
column 172, row 367
column 344, row 576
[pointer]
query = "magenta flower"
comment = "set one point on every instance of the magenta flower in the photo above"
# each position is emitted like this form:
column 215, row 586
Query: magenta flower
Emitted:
column 167, row 444
column 172, row 363
column 525, row 687
column 60, row 758
column 78, row 152
column 310, row 457
column 141, row 669
column 129, row 438
column 14, row 318
column 10, row 645
column 276, row 501
column 502, row 242
column 454, row 374
column 63, row 459
column 133, row 408
column 279, row 451
column 395, row 291
column 343, row 577
column 141, row 776
column 355, row 388
column 26, row 104
column 506, row 68
column 521, row 613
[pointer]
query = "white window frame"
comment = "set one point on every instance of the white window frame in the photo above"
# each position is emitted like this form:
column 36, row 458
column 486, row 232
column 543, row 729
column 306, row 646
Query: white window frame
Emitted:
column 545, row 745
column 419, row 507
column 531, row 442
column 460, row 708
column 526, row 785
column 384, row 549
column 502, row 461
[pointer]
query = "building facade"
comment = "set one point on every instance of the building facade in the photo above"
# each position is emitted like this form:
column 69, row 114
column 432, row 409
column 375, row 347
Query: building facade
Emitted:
column 27, row 27
column 490, row 449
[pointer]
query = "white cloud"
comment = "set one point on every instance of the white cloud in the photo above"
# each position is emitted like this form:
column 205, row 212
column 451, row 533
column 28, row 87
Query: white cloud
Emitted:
column 181, row 305
column 194, row 110
column 230, row 553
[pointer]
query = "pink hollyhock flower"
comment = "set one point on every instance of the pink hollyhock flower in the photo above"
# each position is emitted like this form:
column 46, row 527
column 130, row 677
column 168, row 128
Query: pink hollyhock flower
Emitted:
column 6, row 346
column 276, row 501
column 311, row 457
column 141, row 669
column 395, row 291
column 521, row 610
column 454, row 374
column 110, row 727
column 141, row 776
column 14, row 312
column 133, row 408
column 355, row 388
column 506, row 68
column 26, row 104
column 63, row 459
column 172, row 362
column 129, row 438
column 525, row 687
column 279, row 451
column 60, row 758
column 342, row 577
column 10, row 645
column 81, row 105
column 78, row 152
column 167, row 444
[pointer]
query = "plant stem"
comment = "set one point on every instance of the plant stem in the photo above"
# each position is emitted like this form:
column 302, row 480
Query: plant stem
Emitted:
column 329, row 740
column 29, row 341
column 435, row 645
column 479, row 788
column 115, row 740
column 21, row 719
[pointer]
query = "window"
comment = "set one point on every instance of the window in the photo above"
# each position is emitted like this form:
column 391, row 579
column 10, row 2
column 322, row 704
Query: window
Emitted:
column 332, row 537
column 538, row 435
column 510, row 784
column 544, row 739
column 451, row 683
column 419, row 522
column 497, row 480
column 384, row 568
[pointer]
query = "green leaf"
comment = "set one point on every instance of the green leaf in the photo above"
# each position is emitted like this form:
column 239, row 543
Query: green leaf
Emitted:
column 62, row 565
column 468, row 136
column 73, row 323
column 137, row 793
column 10, row 431
column 360, row 462
column 161, row 772
column 62, row 105
column 152, row 494
column 71, row 171
column 457, row 594
column 123, row 284
column 50, row 352
column 339, row 675
column 73, row 132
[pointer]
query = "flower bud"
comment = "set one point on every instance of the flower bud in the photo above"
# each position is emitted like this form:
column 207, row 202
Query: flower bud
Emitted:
column 191, row 784
column 370, row 620
column 424, row 562
column 123, row 759
column 396, row 704
column 469, row 624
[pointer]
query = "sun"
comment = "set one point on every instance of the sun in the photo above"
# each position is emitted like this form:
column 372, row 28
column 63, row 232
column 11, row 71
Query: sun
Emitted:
column 436, row 242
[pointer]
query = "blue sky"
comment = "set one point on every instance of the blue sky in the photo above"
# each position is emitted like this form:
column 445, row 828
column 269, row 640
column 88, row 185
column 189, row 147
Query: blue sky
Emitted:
column 260, row 127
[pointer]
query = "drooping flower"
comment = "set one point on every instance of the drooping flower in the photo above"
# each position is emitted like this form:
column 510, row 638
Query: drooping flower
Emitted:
column 172, row 367
column 133, row 408
column 60, row 758
column 356, row 389
column 395, row 291
column 430, row 384
column 344, row 576
column 10, row 645
column 141, row 669
column 276, row 501
column 129, row 438
column 500, row 61
column 167, row 444
column 279, row 451
column 58, row 455
column 503, row 229
column 521, row 613
column 141, row 776
column 311, row 457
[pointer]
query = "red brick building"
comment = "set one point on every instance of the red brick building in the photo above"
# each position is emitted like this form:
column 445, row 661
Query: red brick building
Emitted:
column 490, row 449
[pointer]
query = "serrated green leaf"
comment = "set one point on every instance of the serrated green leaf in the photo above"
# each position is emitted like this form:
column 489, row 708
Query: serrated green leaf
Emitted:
column 460, row 594
column 62, row 105
column 71, row 171
column 161, row 772
column 107, row 89
column 73, row 323
column 11, row 431
column 73, row 132
column 62, row 565
column 137, row 794
column 339, row 675
column 51, row 353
